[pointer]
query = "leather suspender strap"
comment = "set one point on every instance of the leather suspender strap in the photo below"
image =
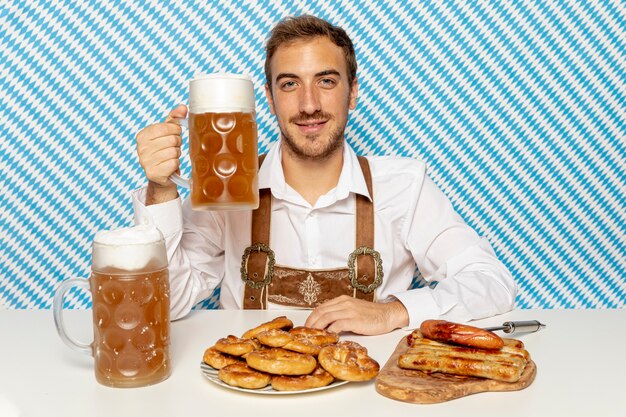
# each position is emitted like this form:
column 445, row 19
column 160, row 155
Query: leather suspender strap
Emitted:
column 364, row 272
column 258, row 260
column 365, row 210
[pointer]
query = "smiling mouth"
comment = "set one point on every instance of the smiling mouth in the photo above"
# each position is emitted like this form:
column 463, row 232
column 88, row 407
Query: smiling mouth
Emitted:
column 312, row 123
column 311, row 126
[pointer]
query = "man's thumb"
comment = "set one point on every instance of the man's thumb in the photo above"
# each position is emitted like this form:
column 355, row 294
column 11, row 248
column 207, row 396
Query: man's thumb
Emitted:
column 179, row 112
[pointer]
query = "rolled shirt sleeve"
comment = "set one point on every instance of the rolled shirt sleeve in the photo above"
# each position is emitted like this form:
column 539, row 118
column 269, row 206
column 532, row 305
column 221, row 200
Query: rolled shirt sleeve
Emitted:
column 471, row 283
column 196, row 262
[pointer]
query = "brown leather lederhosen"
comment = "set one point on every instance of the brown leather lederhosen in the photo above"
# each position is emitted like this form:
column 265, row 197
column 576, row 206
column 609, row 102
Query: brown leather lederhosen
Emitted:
column 265, row 281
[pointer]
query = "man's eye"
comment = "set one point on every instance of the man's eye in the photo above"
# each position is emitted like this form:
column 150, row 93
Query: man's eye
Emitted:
column 287, row 85
column 327, row 82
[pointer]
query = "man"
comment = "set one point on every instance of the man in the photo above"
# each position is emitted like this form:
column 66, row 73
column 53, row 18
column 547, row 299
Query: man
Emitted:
column 324, row 201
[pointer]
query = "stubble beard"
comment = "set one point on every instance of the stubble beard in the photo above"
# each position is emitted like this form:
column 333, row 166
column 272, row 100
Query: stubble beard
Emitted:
column 311, row 153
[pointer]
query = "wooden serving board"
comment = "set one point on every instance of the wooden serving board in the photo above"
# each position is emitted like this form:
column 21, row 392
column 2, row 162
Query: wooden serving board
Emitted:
column 421, row 388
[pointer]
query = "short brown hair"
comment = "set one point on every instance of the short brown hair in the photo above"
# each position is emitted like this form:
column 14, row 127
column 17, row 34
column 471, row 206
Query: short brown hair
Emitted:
column 296, row 28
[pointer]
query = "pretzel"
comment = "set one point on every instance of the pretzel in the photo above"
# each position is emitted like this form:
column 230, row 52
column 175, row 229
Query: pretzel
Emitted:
column 280, row 322
column 286, row 340
column 279, row 361
column 217, row 359
column 299, row 339
column 275, row 337
column 319, row 337
column 303, row 346
column 236, row 346
column 318, row 378
column 241, row 375
column 284, row 354
column 348, row 361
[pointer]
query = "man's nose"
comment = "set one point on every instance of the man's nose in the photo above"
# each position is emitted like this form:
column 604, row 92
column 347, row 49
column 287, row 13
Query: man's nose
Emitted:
column 309, row 100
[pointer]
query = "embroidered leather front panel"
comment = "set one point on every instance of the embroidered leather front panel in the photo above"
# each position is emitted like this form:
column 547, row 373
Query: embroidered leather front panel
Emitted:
column 310, row 288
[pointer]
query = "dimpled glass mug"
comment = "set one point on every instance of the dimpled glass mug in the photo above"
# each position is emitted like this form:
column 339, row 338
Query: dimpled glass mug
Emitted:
column 223, row 144
column 129, row 285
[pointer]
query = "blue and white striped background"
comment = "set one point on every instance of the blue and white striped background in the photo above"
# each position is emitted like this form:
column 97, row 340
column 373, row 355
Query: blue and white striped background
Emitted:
column 518, row 108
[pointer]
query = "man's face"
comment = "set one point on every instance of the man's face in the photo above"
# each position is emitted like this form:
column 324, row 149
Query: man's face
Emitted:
column 310, row 96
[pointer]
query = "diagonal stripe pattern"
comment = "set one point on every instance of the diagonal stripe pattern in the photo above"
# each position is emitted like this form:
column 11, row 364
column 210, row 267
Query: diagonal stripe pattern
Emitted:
column 517, row 107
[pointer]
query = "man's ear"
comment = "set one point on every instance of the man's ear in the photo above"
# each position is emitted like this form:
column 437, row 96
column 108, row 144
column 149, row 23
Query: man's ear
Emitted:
column 354, row 93
column 270, row 98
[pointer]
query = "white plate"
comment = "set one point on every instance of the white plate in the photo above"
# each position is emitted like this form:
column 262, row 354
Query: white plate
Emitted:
column 211, row 374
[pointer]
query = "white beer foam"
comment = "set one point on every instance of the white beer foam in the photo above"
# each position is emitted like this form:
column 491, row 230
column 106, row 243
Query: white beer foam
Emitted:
column 130, row 248
column 221, row 93
column 136, row 235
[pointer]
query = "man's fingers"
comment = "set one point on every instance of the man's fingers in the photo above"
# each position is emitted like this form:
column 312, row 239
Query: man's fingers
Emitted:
column 147, row 149
column 327, row 313
column 358, row 316
column 161, row 172
column 179, row 112
column 165, row 154
column 329, row 306
column 158, row 148
column 161, row 161
column 153, row 160
column 156, row 131
column 339, row 326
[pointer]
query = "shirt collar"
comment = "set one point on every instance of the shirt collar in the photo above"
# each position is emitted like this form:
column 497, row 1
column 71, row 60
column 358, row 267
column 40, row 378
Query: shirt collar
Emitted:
column 351, row 179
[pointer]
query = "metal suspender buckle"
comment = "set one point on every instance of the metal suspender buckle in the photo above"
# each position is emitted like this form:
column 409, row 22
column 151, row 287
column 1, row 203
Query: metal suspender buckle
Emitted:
column 378, row 273
column 258, row 247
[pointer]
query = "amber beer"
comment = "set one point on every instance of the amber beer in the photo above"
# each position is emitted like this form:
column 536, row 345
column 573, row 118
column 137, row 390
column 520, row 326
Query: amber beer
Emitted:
column 131, row 327
column 223, row 143
column 224, row 159
column 129, row 285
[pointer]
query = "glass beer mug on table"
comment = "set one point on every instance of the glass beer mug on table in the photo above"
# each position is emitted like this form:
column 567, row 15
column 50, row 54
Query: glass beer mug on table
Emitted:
column 223, row 144
column 129, row 284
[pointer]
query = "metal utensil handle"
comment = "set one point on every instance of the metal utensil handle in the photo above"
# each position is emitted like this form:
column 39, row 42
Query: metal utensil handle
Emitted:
column 522, row 326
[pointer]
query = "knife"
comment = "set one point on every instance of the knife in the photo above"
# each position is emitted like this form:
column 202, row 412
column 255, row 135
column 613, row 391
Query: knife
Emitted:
column 518, row 326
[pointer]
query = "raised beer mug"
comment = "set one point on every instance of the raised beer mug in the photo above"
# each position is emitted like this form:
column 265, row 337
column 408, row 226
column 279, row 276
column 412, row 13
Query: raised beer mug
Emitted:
column 223, row 144
column 129, row 285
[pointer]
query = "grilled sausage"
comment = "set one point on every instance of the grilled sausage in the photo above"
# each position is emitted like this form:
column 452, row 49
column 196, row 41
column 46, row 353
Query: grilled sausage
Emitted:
column 460, row 334
column 506, row 364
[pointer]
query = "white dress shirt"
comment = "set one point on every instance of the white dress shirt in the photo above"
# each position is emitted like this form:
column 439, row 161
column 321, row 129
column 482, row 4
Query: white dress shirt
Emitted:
column 415, row 224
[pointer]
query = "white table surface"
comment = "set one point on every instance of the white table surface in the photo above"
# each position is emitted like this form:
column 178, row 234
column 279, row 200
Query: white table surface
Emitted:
column 580, row 356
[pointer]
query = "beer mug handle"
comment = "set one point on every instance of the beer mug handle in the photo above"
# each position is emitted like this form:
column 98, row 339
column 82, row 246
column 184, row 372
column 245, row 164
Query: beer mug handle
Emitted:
column 57, row 306
column 175, row 178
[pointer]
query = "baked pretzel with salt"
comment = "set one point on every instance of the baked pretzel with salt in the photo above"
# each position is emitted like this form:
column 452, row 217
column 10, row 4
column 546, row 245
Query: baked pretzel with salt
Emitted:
column 348, row 361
